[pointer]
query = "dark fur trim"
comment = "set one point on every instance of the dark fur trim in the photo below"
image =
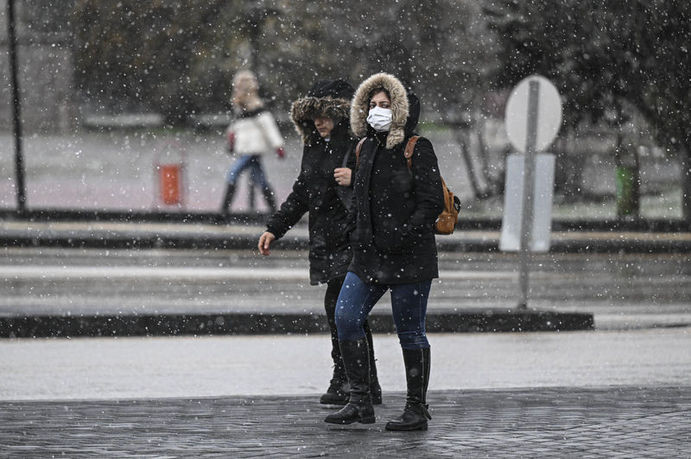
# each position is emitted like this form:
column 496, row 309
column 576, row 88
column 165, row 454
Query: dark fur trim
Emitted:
column 307, row 108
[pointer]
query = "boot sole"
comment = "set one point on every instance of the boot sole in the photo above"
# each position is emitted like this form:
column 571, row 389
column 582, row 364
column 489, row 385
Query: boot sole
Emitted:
column 375, row 401
column 397, row 428
column 346, row 422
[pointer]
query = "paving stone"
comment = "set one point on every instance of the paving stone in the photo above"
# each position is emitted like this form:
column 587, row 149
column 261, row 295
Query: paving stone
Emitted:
column 562, row 422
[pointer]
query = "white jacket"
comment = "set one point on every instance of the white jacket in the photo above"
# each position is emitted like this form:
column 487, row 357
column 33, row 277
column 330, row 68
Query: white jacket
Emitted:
column 256, row 135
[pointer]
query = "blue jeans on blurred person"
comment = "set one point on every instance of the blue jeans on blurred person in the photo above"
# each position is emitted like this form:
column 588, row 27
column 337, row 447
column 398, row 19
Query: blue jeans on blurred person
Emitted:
column 257, row 179
column 408, row 304
column 251, row 162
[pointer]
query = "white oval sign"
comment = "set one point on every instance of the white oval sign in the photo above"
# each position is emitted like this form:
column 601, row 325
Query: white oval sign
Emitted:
column 548, row 114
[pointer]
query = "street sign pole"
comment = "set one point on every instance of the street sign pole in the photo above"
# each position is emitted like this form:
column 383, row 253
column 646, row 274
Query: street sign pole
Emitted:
column 528, row 191
column 16, row 111
column 533, row 118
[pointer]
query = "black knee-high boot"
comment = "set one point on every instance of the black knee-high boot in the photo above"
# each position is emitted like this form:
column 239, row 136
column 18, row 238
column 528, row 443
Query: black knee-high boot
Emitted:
column 338, row 391
column 359, row 408
column 227, row 199
column 374, row 387
column 415, row 414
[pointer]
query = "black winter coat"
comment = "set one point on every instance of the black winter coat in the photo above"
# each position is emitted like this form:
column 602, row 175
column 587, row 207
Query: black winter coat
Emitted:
column 395, row 207
column 393, row 240
column 316, row 191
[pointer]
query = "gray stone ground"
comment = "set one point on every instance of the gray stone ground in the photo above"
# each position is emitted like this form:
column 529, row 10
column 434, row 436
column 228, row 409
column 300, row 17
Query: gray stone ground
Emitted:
column 550, row 422
column 581, row 394
column 227, row 366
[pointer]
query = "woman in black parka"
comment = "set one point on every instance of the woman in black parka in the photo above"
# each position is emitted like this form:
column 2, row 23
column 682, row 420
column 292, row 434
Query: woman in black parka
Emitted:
column 323, row 190
column 393, row 245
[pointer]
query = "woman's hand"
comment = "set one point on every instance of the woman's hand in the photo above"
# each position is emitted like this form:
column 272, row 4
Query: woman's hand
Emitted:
column 342, row 176
column 231, row 142
column 265, row 241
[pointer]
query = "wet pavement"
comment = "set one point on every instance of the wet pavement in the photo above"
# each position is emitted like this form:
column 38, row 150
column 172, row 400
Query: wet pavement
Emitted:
column 552, row 422
column 223, row 366
column 579, row 394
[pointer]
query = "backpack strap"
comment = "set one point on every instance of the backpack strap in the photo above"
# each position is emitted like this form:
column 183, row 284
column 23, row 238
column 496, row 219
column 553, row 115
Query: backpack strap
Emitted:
column 357, row 151
column 409, row 149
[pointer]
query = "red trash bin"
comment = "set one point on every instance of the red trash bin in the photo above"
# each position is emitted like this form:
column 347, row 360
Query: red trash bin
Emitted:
column 169, row 166
column 170, row 183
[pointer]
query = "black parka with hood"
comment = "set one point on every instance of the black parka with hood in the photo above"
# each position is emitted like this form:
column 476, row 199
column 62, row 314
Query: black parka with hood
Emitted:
column 395, row 207
column 315, row 190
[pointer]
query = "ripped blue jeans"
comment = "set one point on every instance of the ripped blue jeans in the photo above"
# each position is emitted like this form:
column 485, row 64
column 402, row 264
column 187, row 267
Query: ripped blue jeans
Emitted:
column 408, row 305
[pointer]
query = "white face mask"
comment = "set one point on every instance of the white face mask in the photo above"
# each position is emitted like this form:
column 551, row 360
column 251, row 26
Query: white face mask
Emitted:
column 380, row 118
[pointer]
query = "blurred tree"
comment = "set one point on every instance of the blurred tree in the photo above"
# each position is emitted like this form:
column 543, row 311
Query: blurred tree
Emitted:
column 178, row 57
column 165, row 56
column 605, row 58
column 436, row 47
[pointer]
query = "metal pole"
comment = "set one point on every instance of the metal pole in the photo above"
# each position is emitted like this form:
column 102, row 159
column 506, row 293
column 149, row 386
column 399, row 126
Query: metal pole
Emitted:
column 528, row 190
column 16, row 109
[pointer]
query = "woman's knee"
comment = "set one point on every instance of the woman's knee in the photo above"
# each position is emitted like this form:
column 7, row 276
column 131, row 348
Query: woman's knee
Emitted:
column 350, row 309
column 348, row 322
column 236, row 168
column 413, row 339
column 233, row 175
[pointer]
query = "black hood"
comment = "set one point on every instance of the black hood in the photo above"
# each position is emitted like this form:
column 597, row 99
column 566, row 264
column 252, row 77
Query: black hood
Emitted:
column 335, row 89
column 329, row 98
column 413, row 113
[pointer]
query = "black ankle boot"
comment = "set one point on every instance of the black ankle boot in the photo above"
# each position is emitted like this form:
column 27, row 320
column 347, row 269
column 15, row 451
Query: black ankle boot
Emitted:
column 270, row 200
column 338, row 391
column 415, row 414
column 227, row 199
column 336, row 394
column 359, row 408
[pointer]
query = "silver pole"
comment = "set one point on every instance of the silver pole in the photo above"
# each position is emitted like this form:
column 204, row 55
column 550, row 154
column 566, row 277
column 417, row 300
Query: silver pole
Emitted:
column 528, row 191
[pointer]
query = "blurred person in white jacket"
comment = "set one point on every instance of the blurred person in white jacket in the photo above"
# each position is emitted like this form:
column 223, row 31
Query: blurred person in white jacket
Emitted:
column 251, row 134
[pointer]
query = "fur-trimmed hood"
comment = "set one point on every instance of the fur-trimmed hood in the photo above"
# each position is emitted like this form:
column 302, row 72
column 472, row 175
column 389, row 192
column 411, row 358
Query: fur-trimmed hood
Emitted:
column 326, row 98
column 405, row 108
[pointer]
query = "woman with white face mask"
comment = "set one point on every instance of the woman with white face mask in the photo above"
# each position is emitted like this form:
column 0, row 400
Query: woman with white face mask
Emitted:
column 396, row 204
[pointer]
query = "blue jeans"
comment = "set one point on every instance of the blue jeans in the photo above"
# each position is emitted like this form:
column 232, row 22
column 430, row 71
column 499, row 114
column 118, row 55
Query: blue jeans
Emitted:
column 251, row 162
column 408, row 305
